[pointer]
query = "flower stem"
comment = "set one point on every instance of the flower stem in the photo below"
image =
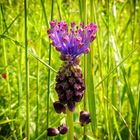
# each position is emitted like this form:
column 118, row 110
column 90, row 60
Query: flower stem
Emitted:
column 70, row 125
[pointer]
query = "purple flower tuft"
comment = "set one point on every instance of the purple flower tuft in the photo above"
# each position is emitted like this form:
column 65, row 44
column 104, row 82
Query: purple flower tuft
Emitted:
column 74, row 43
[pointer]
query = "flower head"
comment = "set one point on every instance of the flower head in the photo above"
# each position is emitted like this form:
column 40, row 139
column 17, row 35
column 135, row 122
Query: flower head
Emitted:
column 74, row 42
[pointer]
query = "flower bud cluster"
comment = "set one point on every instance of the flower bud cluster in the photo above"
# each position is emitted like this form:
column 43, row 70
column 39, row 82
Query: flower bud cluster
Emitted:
column 69, row 87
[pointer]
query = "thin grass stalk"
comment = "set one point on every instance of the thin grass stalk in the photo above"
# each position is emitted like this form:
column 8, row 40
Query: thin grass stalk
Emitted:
column 44, row 12
column 27, row 72
column 49, row 72
column 19, row 50
column 59, row 8
column 37, row 96
column 107, row 111
column 80, row 9
column 131, row 115
column 137, row 128
column 19, row 86
column 38, row 83
column 113, row 98
column 90, row 81
column 84, row 7
column 97, row 6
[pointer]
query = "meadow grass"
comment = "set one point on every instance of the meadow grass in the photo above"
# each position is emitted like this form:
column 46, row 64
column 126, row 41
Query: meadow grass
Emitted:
column 30, row 64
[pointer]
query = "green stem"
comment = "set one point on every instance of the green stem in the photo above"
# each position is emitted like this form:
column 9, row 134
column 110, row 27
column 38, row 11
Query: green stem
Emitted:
column 70, row 135
column 27, row 72
column 84, row 2
column 70, row 125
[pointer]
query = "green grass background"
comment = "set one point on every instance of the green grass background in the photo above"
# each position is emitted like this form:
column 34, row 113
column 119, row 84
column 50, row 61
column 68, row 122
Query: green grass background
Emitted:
column 111, row 69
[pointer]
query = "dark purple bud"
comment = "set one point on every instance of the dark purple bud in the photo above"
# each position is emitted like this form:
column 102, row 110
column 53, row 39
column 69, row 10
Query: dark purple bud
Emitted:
column 66, row 57
column 52, row 131
column 82, row 25
column 49, row 31
column 62, row 98
column 59, row 107
column 71, row 81
column 92, row 37
column 77, row 86
column 84, row 118
column 80, row 80
column 4, row 76
column 53, row 23
column 78, row 73
column 60, row 77
column 69, row 94
column 76, row 61
column 87, row 51
column 63, row 129
column 73, row 24
column 82, row 86
column 65, row 85
column 71, row 106
column 78, row 96
column 59, row 88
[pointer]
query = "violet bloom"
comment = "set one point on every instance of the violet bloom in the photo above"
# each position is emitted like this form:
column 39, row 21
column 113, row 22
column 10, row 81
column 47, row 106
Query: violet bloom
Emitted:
column 74, row 43
column 71, row 44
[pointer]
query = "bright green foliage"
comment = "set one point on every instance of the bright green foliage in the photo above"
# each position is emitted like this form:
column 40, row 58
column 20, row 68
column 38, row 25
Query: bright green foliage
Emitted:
column 111, row 69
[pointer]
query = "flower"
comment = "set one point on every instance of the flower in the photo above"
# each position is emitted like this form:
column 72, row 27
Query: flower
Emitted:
column 52, row 131
column 84, row 118
column 74, row 42
column 71, row 44
column 63, row 129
